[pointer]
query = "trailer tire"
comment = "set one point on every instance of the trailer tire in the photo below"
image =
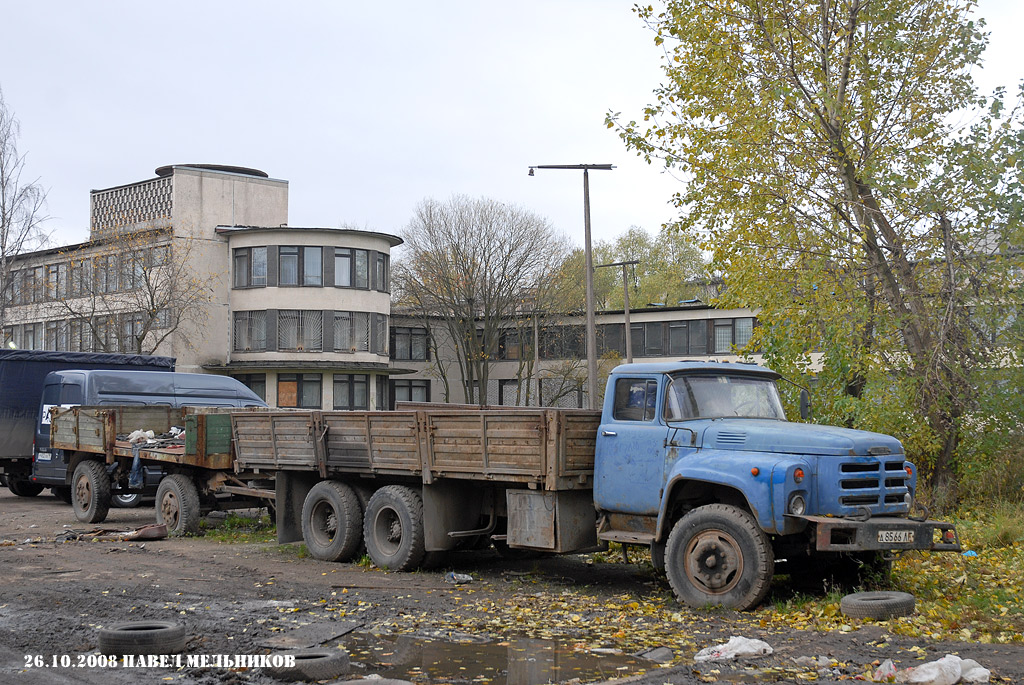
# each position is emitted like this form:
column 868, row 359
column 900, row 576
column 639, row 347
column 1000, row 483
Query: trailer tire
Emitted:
column 127, row 500
column 393, row 528
column 177, row 504
column 90, row 492
column 24, row 488
column 332, row 521
column 877, row 605
column 142, row 637
column 718, row 555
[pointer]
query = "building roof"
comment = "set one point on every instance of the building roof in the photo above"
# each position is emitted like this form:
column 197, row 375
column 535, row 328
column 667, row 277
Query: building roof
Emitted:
column 393, row 240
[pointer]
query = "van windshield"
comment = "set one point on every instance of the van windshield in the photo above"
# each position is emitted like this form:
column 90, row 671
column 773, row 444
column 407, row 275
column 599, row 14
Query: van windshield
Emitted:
column 710, row 397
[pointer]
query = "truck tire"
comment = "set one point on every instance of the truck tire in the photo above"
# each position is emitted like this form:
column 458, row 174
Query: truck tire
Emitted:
column 718, row 555
column 177, row 505
column 393, row 528
column 90, row 492
column 332, row 521
column 877, row 605
column 142, row 637
column 24, row 488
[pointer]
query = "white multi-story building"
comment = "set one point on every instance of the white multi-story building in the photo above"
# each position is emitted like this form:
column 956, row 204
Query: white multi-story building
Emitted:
column 298, row 314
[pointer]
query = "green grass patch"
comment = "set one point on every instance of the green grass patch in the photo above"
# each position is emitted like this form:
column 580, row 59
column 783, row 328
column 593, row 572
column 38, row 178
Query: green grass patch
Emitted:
column 241, row 529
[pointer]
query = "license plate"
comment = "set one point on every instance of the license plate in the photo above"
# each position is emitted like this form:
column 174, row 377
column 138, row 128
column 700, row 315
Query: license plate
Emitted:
column 42, row 456
column 899, row 536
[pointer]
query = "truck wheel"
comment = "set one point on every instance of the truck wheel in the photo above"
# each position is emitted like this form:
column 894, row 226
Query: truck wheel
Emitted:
column 61, row 492
column 717, row 554
column 393, row 528
column 90, row 492
column 332, row 521
column 177, row 505
column 24, row 488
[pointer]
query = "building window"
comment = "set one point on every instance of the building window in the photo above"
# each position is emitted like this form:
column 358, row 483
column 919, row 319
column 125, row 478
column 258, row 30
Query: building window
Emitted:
column 653, row 339
column 744, row 328
column 343, row 268
column 381, row 275
column 412, row 391
column 299, row 390
column 288, row 265
column 723, row 336
column 351, row 391
column 382, row 334
column 677, row 338
column 698, row 337
column 257, row 382
column 81, row 278
column 312, row 266
column 300, row 330
column 250, row 331
column 410, row 344
column 351, row 332
column 361, row 276
column 250, row 267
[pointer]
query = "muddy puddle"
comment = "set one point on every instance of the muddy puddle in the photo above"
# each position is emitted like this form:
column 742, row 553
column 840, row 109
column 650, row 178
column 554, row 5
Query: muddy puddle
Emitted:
column 472, row 659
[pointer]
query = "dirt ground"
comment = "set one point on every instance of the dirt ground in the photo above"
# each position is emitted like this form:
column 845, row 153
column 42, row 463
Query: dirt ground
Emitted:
column 259, row 599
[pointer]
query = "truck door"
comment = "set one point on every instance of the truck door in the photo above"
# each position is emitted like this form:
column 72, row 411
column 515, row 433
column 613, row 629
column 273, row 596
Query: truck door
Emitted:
column 629, row 467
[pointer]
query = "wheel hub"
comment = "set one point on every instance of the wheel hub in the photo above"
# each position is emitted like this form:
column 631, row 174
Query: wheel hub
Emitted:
column 169, row 509
column 83, row 492
column 713, row 561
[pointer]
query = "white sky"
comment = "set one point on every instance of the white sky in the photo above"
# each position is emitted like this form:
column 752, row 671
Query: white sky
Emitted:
column 365, row 108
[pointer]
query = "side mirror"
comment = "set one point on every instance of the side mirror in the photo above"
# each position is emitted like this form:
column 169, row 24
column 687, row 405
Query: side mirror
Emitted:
column 805, row 404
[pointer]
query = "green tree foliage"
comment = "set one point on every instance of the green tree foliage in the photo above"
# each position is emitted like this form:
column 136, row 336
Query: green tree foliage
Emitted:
column 671, row 269
column 829, row 170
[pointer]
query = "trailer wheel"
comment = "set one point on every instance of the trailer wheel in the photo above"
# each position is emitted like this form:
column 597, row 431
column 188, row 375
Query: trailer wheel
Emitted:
column 393, row 528
column 24, row 488
column 332, row 521
column 128, row 500
column 90, row 492
column 177, row 504
column 717, row 554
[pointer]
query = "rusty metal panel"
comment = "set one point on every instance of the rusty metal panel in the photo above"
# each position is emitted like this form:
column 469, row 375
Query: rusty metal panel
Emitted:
column 561, row 521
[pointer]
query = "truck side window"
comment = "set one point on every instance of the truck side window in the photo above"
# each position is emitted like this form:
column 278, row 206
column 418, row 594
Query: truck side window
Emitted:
column 679, row 401
column 635, row 399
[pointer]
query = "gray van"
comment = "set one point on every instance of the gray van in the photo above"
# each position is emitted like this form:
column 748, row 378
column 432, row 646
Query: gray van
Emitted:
column 124, row 388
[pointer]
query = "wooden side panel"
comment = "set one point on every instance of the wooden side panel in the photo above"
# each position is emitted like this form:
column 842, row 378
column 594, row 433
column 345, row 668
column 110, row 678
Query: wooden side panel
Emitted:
column 394, row 441
column 348, row 441
column 487, row 443
column 269, row 440
column 580, row 439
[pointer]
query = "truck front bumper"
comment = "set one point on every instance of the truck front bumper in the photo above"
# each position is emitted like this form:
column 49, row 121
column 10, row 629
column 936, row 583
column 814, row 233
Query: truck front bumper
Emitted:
column 882, row 533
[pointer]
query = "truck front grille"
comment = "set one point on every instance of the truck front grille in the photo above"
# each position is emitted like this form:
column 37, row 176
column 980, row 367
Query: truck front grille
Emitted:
column 871, row 482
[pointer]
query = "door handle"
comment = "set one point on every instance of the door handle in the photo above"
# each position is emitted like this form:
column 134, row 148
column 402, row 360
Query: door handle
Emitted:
column 610, row 434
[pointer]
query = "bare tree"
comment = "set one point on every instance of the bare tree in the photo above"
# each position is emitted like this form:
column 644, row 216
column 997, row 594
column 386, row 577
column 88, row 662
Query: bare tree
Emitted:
column 21, row 205
column 476, row 265
column 131, row 291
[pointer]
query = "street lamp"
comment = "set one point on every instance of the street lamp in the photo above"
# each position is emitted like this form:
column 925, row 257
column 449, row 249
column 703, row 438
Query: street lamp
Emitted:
column 591, row 326
column 625, row 305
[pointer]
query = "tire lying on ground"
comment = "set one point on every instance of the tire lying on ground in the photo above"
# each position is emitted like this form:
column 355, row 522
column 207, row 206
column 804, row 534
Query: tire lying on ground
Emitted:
column 312, row 664
column 142, row 637
column 877, row 605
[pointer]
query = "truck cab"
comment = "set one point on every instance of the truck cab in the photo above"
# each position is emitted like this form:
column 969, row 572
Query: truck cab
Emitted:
column 698, row 460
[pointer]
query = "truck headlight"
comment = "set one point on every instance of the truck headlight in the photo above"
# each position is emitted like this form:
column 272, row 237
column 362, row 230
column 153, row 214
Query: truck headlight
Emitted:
column 797, row 505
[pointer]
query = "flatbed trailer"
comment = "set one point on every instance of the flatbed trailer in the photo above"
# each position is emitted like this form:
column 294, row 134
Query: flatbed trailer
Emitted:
column 202, row 475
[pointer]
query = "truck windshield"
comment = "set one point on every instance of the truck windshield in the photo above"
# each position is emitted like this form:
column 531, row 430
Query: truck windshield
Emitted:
column 709, row 397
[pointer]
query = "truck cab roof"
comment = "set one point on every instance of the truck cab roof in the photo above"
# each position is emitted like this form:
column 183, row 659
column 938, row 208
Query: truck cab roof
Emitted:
column 688, row 366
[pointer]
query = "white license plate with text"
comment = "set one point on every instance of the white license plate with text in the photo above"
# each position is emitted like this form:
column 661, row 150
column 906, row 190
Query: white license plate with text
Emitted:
column 901, row 536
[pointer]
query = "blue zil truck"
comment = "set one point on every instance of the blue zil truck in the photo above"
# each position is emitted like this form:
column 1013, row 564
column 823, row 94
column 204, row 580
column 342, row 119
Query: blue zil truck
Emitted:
column 695, row 460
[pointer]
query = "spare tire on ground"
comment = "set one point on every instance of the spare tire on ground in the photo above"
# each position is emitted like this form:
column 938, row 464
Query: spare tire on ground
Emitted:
column 142, row 637
column 312, row 664
column 877, row 605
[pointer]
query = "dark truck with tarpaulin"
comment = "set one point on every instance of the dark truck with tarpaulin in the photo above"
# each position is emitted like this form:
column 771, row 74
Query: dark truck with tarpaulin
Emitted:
column 21, row 389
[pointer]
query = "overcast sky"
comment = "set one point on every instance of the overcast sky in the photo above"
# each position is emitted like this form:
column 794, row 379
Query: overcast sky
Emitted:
column 365, row 108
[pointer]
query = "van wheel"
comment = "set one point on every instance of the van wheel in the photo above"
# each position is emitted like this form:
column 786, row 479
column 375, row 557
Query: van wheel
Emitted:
column 718, row 555
column 393, row 528
column 128, row 500
column 61, row 492
column 90, row 492
column 177, row 505
column 332, row 521
column 24, row 488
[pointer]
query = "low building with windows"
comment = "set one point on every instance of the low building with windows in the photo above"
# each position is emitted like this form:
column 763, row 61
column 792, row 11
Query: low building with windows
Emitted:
column 200, row 264
column 542, row 361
